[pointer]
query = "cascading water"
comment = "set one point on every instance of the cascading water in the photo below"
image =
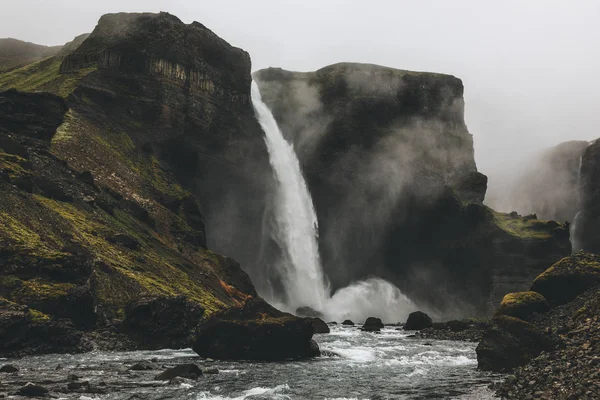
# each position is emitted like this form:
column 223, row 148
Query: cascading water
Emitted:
column 573, row 233
column 297, row 225
column 296, row 232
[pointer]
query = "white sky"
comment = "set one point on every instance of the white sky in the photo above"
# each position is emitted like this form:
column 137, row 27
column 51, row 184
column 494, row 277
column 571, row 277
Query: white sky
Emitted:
column 530, row 67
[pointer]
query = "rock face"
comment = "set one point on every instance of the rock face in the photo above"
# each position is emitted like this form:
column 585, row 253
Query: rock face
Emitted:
column 523, row 305
column 109, row 185
column 239, row 334
column 389, row 163
column 586, row 228
column 163, row 322
column 568, row 278
column 418, row 320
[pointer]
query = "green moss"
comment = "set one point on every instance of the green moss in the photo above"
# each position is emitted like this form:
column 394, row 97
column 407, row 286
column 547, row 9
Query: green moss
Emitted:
column 522, row 227
column 38, row 316
column 43, row 75
column 40, row 290
column 22, row 235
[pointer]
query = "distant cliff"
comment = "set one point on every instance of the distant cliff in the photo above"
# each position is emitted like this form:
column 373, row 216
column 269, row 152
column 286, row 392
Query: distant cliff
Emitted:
column 390, row 165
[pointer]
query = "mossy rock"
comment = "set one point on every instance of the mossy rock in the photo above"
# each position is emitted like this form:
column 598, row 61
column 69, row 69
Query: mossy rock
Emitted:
column 510, row 342
column 523, row 305
column 568, row 278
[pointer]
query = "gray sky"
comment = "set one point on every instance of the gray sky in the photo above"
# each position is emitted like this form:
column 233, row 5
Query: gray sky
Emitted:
column 530, row 68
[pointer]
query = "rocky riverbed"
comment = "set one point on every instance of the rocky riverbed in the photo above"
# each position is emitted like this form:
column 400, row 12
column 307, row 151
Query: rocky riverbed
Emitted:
column 355, row 365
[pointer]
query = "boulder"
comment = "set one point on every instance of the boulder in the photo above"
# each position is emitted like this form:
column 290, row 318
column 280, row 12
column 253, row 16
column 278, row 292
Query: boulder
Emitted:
column 319, row 326
column 9, row 368
column 418, row 320
column 568, row 278
column 188, row 371
column 143, row 366
column 255, row 331
column 348, row 323
column 32, row 390
column 523, row 305
column 162, row 322
column 510, row 342
column 372, row 324
column 309, row 312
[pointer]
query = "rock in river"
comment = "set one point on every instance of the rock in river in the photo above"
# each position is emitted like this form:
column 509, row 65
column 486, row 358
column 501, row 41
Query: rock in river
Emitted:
column 255, row 331
column 372, row 324
column 418, row 320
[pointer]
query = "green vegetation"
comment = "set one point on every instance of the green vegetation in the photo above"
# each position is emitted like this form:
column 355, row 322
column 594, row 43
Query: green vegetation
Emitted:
column 524, row 227
column 43, row 75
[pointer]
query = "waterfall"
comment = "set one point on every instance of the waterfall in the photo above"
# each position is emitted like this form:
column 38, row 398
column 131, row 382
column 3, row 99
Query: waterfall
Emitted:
column 296, row 232
column 575, row 245
column 297, row 225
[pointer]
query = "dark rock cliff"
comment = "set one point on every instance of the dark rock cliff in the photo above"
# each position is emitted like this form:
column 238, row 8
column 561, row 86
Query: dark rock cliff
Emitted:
column 586, row 232
column 110, row 186
column 390, row 165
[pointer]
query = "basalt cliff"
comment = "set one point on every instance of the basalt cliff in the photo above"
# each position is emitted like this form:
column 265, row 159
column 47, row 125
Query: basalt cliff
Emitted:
column 390, row 165
column 113, row 154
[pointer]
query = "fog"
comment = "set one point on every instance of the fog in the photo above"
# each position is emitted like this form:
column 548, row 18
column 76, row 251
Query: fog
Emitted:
column 529, row 68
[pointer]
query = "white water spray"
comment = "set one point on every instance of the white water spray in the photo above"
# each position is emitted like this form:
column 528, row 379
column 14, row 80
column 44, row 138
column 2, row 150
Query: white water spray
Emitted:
column 296, row 231
column 297, row 235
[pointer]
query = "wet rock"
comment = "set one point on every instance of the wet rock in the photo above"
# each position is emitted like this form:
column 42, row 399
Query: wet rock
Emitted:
column 523, row 305
column 32, row 390
column 9, row 368
column 509, row 343
column 372, row 324
column 210, row 371
column 188, row 371
column 319, row 326
column 78, row 386
column 568, row 278
column 143, row 366
column 308, row 312
column 180, row 381
column 256, row 331
column 348, row 323
column 417, row 320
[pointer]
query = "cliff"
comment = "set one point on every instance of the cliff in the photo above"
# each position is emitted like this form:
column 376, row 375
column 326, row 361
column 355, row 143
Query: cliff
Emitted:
column 586, row 227
column 111, row 182
column 390, row 165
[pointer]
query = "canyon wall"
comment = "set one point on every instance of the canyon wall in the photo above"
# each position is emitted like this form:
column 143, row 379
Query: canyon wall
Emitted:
column 390, row 165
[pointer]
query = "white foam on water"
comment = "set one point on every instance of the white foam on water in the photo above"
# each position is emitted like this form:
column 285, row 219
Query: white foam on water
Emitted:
column 276, row 392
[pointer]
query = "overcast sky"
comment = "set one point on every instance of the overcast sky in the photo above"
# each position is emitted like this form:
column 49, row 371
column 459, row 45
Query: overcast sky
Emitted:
column 530, row 68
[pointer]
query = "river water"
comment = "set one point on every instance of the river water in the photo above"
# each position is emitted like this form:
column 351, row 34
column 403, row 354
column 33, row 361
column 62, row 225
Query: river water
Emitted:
column 388, row 365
